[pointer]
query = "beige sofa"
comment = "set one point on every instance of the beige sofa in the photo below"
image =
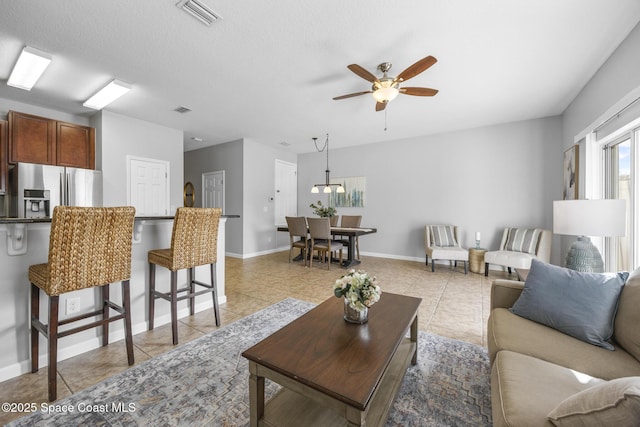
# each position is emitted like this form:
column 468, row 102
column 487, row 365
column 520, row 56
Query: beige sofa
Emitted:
column 535, row 367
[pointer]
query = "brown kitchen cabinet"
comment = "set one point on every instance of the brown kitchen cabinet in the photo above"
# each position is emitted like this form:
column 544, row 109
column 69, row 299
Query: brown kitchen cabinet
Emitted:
column 3, row 156
column 75, row 146
column 35, row 139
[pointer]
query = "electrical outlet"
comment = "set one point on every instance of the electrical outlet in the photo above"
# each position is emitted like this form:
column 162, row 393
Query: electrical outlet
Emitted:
column 73, row 305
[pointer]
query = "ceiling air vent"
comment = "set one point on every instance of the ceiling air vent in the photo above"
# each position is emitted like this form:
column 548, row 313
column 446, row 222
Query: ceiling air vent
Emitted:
column 199, row 10
column 182, row 109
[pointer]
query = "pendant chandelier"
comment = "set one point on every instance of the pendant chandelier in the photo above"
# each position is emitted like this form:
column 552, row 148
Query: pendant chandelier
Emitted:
column 327, row 186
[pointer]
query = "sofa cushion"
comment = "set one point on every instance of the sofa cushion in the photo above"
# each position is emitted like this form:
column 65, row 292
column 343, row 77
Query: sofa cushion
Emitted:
column 582, row 305
column 522, row 240
column 443, row 235
column 507, row 331
column 611, row 403
column 525, row 389
column 627, row 329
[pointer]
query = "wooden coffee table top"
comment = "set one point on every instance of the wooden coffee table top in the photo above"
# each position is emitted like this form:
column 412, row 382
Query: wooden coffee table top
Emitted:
column 343, row 360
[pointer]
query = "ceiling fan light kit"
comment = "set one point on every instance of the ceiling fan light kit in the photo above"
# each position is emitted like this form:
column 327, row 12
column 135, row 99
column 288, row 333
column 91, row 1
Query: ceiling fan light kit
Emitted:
column 386, row 88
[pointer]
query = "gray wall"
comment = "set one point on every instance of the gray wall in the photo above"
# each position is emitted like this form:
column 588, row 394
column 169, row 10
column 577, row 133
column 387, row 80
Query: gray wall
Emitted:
column 250, row 180
column 480, row 179
column 227, row 157
column 119, row 136
column 616, row 78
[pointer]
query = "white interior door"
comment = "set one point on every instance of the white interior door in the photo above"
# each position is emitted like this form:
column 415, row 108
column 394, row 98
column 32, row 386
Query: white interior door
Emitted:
column 213, row 190
column 148, row 186
column 286, row 199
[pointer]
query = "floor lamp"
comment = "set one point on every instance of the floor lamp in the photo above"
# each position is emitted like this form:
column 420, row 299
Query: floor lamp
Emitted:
column 582, row 218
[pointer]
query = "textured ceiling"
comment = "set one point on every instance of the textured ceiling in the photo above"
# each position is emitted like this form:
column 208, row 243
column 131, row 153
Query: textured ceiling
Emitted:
column 267, row 71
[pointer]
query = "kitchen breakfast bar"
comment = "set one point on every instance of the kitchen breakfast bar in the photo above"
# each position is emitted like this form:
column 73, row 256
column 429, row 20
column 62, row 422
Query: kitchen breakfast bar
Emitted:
column 25, row 241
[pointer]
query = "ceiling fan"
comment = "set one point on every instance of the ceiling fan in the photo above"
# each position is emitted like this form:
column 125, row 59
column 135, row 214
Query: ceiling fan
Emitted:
column 387, row 88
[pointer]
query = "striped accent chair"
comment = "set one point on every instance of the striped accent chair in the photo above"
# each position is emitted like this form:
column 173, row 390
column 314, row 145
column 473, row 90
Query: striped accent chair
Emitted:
column 441, row 242
column 518, row 247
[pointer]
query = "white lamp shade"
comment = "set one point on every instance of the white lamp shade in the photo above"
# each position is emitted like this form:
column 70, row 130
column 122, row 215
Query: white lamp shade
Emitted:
column 605, row 217
column 340, row 189
column 327, row 189
column 315, row 189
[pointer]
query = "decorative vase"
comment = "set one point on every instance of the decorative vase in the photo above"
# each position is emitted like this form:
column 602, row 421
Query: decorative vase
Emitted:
column 353, row 315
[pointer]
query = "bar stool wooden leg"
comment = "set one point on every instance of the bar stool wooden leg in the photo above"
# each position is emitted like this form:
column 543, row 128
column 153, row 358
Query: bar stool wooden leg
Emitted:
column 214, row 293
column 174, row 306
column 53, row 346
column 128, row 335
column 192, row 299
column 152, row 295
column 35, row 334
column 105, row 315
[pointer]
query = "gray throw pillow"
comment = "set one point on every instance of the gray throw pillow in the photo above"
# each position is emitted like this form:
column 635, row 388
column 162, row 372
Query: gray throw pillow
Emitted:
column 582, row 305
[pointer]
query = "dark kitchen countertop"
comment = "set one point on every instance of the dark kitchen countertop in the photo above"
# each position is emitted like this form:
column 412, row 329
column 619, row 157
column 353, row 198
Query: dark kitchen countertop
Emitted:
column 46, row 220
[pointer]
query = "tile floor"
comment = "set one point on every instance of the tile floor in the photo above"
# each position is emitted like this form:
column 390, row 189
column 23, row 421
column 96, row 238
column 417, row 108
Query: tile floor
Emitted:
column 453, row 304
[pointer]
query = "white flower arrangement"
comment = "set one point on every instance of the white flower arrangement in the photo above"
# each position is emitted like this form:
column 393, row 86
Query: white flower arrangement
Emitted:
column 358, row 288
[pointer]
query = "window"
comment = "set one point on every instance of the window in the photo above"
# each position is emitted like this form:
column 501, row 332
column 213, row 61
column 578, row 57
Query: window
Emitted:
column 618, row 174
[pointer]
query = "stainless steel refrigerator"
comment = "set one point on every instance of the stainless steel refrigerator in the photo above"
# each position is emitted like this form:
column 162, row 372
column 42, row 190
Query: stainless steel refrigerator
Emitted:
column 37, row 189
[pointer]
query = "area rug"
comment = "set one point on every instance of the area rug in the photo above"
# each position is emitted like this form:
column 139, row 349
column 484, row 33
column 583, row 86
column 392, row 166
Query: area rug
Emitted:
column 205, row 383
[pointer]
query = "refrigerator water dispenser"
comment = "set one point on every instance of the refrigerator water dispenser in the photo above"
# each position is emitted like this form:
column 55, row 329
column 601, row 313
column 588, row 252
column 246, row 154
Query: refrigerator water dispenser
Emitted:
column 36, row 203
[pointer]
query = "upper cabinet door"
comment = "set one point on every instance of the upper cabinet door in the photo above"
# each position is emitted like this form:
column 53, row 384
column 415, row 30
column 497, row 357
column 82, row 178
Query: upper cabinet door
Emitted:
column 75, row 145
column 31, row 139
column 3, row 156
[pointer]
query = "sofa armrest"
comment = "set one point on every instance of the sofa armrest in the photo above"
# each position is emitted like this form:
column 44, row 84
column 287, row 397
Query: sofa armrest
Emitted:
column 504, row 293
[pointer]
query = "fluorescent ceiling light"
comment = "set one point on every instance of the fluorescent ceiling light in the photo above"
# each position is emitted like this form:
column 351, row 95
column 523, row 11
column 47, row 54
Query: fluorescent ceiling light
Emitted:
column 107, row 95
column 30, row 66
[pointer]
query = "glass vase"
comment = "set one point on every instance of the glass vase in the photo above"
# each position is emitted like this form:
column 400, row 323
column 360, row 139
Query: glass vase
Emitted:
column 353, row 315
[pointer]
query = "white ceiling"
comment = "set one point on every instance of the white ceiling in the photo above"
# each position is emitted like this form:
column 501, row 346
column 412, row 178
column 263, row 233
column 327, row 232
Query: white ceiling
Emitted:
column 267, row 71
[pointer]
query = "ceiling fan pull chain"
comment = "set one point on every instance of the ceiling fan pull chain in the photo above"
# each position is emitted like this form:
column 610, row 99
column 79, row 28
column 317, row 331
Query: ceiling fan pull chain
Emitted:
column 385, row 120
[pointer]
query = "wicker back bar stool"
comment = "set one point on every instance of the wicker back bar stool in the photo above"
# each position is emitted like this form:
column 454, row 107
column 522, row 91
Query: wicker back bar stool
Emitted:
column 194, row 242
column 88, row 247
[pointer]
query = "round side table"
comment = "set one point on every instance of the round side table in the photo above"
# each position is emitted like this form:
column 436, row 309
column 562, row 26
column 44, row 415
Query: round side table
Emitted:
column 476, row 260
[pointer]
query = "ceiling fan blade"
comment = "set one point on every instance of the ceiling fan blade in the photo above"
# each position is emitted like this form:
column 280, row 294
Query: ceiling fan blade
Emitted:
column 351, row 95
column 381, row 106
column 361, row 72
column 418, row 91
column 416, row 68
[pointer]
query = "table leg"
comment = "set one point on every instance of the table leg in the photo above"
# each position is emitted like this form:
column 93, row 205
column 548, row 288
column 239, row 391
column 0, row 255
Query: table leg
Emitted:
column 351, row 261
column 256, row 395
column 414, row 338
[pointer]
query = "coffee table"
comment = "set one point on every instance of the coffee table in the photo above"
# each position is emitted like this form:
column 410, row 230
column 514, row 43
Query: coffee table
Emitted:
column 332, row 372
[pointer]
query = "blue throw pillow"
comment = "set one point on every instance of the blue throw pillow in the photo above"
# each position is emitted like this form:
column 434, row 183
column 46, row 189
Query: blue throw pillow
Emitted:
column 582, row 305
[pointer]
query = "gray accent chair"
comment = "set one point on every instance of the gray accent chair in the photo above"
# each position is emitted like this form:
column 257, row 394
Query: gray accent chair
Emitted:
column 452, row 253
column 516, row 259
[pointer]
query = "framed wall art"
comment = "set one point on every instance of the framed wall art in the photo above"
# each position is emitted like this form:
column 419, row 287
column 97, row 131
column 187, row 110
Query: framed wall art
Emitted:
column 354, row 192
column 570, row 173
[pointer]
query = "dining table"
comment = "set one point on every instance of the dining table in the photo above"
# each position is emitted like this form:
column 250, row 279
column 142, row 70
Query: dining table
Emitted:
column 351, row 233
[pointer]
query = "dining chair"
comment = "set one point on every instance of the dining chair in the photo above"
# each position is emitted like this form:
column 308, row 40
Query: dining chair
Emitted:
column 351, row 221
column 321, row 240
column 194, row 242
column 88, row 247
column 298, row 236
